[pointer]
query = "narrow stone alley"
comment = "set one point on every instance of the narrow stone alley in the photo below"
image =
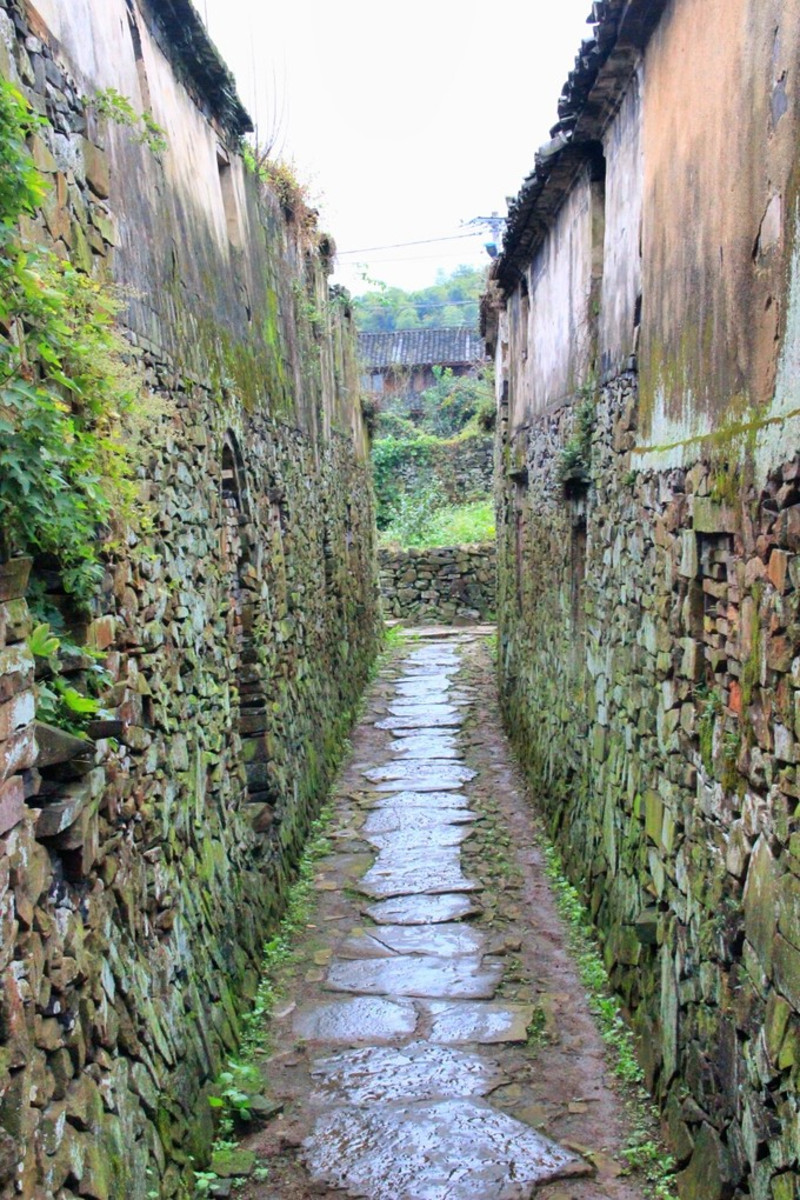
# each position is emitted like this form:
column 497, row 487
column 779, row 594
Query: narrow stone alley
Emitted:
column 431, row 1039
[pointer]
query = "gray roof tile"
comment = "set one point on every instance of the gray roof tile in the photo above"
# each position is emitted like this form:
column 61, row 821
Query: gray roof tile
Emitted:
column 421, row 347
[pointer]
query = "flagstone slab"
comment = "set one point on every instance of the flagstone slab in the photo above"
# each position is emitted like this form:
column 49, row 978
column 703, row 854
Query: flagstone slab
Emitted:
column 371, row 1019
column 413, row 878
column 417, row 1071
column 435, row 717
column 428, row 799
column 424, row 685
column 422, row 910
column 409, row 820
column 486, row 1023
column 426, row 692
column 426, row 782
column 436, row 774
column 463, row 977
column 404, row 708
column 446, row 672
column 422, row 840
column 438, row 655
column 430, row 746
column 442, row 941
column 455, row 1149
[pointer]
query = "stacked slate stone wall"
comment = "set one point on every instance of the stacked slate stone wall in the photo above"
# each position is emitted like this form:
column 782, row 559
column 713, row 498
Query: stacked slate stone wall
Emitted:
column 139, row 877
column 649, row 551
column 460, row 468
column 649, row 646
column 443, row 583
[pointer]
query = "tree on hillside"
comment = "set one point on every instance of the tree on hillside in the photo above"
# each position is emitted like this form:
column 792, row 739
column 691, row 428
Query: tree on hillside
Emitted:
column 453, row 300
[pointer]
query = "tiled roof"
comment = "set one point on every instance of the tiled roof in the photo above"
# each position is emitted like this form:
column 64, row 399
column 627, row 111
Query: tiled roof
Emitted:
column 421, row 348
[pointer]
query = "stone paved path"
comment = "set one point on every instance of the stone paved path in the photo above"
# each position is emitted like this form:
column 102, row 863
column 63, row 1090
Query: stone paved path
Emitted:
column 406, row 1059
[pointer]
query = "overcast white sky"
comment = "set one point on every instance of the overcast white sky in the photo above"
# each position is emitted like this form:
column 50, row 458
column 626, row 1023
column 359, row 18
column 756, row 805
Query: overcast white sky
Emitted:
column 407, row 119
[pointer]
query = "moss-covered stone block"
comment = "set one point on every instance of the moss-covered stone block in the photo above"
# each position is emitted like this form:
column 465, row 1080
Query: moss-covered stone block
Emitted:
column 708, row 1174
column 760, row 902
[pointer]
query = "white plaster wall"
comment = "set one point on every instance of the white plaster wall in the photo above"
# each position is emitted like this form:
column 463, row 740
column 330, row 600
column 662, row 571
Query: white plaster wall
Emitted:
column 95, row 42
column 95, row 45
column 622, row 262
column 557, row 357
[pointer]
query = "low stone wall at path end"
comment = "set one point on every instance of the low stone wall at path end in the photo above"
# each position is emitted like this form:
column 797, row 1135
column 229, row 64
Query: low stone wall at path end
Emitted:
column 442, row 583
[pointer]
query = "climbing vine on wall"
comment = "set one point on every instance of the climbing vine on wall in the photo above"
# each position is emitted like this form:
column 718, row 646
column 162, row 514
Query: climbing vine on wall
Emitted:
column 64, row 384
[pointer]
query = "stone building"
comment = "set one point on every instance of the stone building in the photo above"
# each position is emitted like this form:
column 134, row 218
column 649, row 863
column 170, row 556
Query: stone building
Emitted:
column 645, row 317
column 139, row 878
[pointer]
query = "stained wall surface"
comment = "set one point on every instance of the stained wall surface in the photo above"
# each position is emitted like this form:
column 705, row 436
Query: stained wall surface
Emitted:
column 720, row 127
column 237, row 624
column 649, row 562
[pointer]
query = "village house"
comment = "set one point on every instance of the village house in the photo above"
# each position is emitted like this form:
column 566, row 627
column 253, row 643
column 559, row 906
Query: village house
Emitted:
column 398, row 366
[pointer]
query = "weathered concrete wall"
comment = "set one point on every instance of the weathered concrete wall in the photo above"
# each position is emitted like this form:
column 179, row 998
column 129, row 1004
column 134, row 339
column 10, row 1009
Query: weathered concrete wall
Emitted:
column 648, row 603
column 443, row 583
column 621, row 265
column 137, row 883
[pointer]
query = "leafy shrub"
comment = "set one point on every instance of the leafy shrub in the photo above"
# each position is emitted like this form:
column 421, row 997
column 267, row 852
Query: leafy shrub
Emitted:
column 411, row 520
column 64, row 384
column 421, row 522
column 392, row 424
column 113, row 106
column 576, row 457
column 454, row 400
column 390, row 456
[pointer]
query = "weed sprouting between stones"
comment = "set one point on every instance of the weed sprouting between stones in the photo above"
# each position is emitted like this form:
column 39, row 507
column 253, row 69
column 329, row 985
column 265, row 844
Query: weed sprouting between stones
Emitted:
column 240, row 1080
column 279, row 949
column 644, row 1151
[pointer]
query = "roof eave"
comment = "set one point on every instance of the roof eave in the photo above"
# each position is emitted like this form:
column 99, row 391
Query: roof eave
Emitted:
column 184, row 39
column 589, row 99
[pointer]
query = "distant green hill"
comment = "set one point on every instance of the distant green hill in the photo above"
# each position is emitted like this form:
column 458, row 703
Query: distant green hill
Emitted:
column 453, row 300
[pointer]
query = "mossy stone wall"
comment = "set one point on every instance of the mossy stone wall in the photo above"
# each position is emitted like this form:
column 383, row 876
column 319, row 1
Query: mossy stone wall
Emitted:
column 238, row 625
column 439, row 583
column 649, row 643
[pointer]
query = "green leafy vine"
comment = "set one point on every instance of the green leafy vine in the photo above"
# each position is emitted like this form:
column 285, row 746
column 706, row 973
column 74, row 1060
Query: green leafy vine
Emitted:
column 65, row 384
column 113, row 106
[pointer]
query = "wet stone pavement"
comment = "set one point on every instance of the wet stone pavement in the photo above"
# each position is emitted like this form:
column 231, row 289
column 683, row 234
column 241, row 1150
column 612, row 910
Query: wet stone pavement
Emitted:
column 407, row 1040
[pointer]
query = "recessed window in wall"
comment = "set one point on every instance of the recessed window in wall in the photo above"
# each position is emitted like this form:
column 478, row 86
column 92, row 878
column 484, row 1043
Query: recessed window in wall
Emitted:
column 229, row 201
column 577, row 572
column 136, row 39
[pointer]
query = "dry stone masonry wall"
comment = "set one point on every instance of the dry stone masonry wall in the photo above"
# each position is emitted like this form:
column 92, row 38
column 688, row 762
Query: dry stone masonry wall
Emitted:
column 443, row 583
column 139, row 878
column 461, row 468
column 649, row 555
